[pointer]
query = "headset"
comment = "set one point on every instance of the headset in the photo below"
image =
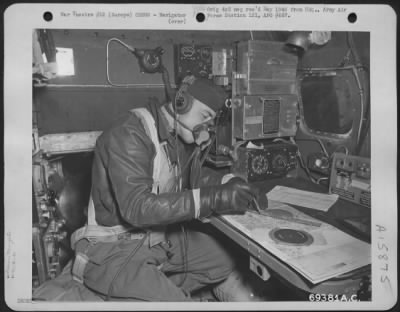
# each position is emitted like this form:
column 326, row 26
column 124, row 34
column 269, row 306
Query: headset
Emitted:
column 183, row 100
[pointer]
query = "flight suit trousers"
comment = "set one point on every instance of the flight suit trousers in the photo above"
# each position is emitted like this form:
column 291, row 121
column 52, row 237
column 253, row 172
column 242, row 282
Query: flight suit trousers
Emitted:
column 169, row 271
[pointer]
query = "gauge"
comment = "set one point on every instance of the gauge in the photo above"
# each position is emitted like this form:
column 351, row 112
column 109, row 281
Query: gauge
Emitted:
column 280, row 162
column 187, row 51
column 205, row 53
column 150, row 62
column 259, row 164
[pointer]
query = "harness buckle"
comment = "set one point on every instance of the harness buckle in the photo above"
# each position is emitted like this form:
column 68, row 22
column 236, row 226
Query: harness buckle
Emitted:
column 78, row 268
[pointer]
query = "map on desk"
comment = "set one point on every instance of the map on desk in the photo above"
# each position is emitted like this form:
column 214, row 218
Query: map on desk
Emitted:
column 315, row 249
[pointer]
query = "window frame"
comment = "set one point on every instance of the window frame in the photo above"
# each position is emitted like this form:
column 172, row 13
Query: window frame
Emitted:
column 350, row 71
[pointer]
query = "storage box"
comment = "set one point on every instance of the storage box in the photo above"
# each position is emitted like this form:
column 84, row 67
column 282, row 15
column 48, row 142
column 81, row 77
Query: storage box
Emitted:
column 265, row 67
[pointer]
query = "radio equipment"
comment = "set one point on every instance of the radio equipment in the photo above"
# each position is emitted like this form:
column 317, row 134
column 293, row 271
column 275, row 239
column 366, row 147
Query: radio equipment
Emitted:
column 264, row 116
column 271, row 161
column 351, row 178
column 193, row 60
column 265, row 67
column 264, row 103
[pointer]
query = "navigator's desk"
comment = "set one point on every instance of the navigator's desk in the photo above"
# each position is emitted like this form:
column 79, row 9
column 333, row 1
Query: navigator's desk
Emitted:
column 347, row 284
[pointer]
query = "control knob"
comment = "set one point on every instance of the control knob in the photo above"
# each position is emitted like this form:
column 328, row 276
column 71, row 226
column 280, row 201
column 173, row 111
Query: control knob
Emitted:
column 280, row 162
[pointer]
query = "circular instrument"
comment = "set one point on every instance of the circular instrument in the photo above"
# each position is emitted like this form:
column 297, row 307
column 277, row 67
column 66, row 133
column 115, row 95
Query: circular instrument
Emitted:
column 280, row 162
column 259, row 164
column 291, row 237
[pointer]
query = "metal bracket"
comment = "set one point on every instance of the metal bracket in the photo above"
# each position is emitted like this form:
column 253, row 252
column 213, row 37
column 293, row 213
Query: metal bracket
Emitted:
column 260, row 269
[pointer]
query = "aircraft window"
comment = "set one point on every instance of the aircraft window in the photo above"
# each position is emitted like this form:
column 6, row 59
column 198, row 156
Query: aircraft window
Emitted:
column 65, row 62
column 327, row 102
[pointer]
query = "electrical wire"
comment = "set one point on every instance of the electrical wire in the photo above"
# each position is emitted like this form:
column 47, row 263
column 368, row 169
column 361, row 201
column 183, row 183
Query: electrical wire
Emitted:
column 180, row 172
column 322, row 179
column 323, row 147
column 131, row 49
column 352, row 46
column 312, row 179
column 282, row 140
column 179, row 188
column 300, row 157
column 184, row 256
column 361, row 104
column 358, row 64
column 167, row 83
column 218, row 121
column 320, row 143
column 339, row 147
column 206, row 152
column 129, row 258
column 346, row 59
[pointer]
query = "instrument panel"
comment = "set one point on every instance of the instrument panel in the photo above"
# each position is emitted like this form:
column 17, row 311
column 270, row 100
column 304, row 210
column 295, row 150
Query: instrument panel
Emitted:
column 351, row 178
column 273, row 160
column 192, row 59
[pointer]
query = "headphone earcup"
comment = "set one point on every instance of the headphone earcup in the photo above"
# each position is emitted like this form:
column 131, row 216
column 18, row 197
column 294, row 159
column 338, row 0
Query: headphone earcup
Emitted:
column 183, row 101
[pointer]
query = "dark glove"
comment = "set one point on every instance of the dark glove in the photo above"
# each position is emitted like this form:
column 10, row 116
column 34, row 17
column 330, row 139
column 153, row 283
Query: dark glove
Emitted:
column 232, row 197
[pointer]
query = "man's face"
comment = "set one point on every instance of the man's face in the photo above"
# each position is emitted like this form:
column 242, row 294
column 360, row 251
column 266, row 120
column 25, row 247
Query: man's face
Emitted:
column 199, row 113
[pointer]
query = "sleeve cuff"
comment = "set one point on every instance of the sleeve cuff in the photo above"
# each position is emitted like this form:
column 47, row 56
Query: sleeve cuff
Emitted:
column 227, row 177
column 196, row 199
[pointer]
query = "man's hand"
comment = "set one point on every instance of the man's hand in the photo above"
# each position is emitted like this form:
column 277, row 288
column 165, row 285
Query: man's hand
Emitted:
column 233, row 197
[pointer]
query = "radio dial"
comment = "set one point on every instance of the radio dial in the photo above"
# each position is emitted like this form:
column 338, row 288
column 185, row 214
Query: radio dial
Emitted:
column 259, row 164
column 280, row 161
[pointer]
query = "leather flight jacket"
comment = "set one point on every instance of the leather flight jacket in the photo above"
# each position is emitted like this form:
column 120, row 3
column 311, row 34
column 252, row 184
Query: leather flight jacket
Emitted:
column 122, row 179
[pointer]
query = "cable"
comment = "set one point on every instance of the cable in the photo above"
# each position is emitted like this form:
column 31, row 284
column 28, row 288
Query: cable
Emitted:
column 131, row 255
column 218, row 121
column 323, row 147
column 322, row 179
column 346, row 59
column 300, row 157
column 207, row 151
column 320, row 143
column 180, row 172
column 184, row 256
column 352, row 46
column 131, row 49
column 361, row 104
column 167, row 84
column 339, row 147
column 359, row 65
column 282, row 140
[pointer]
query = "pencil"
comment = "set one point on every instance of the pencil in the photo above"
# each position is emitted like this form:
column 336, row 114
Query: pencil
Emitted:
column 256, row 205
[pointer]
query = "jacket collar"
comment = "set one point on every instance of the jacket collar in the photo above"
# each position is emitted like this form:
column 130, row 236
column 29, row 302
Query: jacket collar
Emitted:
column 165, row 133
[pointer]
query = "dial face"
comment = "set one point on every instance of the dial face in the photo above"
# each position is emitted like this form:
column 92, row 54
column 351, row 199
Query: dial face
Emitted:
column 187, row 51
column 151, row 61
column 279, row 161
column 259, row 164
column 205, row 53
